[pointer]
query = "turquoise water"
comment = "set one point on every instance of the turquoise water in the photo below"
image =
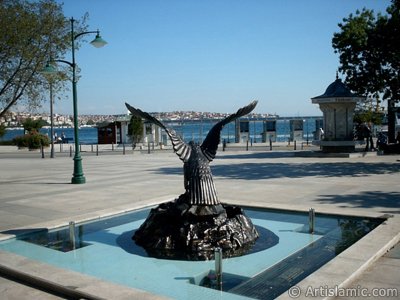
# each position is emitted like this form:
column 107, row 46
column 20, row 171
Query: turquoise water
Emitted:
column 108, row 253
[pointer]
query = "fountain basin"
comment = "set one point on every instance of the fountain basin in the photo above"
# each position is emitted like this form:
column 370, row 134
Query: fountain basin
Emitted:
column 109, row 254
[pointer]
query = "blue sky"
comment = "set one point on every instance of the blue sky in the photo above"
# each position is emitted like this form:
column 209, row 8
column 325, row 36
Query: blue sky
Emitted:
column 208, row 55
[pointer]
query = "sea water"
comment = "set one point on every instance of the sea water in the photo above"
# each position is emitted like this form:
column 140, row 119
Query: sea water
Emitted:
column 190, row 130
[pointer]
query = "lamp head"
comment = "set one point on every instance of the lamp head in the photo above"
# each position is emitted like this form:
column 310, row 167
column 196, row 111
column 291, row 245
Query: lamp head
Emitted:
column 49, row 70
column 98, row 42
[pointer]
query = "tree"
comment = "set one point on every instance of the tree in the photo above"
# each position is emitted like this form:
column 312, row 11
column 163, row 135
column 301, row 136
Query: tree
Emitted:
column 31, row 125
column 33, row 139
column 90, row 122
column 31, row 33
column 2, row 130
column 135, row 129
column 366, row 112
column 370, row 57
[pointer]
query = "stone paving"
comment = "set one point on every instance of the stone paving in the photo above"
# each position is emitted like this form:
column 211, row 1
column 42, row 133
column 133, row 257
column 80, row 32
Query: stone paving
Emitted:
column 36, row 193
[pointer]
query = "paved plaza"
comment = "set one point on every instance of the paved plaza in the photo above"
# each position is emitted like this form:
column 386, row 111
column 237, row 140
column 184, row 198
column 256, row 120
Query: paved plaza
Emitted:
column 35, row 192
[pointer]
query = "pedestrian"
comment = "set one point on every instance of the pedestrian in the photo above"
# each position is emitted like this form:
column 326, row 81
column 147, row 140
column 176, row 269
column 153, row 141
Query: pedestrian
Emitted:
column 381, row 142
column 368, row 136
column 320, row 134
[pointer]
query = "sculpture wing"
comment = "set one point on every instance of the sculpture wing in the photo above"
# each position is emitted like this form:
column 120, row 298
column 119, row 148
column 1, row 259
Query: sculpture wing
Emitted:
column 182, row 149
column 210, row 144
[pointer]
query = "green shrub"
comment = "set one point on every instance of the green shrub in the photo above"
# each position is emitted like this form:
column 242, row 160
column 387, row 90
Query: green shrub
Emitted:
column 32, row 140
column 2, row 130
column 21, row 141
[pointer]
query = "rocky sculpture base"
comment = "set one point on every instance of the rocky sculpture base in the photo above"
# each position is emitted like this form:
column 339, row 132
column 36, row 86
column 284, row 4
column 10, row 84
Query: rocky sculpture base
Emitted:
column 178, row 230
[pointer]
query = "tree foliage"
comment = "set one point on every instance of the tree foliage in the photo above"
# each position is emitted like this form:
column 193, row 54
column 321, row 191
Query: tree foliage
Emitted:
column 33, row 139
column 365, row 112
column 369, row 54
column 31, row 33
column 135, row 129
column 31, row 125
column 90, row 122
column 2, row 130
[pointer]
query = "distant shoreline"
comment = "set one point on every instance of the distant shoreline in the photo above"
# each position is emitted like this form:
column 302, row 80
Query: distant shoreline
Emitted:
column 195, row 130
column 182, row 120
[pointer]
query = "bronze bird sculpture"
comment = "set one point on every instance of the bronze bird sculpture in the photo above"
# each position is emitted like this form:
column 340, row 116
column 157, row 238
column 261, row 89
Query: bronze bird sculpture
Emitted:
column 198, row 181
column 193, row 225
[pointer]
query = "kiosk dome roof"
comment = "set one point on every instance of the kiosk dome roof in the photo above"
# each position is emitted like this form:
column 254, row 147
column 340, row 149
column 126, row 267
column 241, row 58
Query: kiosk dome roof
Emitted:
column 337, row 89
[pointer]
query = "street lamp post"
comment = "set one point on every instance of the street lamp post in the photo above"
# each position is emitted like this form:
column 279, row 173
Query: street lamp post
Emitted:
column 98, row 42
column 47, row 72
column 78, row 176
column 51, row 120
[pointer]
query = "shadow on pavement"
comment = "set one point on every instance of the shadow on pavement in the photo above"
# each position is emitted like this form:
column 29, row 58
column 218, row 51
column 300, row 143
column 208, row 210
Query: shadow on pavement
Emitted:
column 258, row 171
column 261, row 154
column 370, row 199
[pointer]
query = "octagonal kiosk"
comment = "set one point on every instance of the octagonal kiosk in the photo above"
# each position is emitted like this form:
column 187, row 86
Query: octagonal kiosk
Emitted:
column 337, row 105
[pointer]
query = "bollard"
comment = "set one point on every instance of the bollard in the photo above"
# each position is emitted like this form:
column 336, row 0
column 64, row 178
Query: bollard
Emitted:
column 97, row 150
column 72, row 233
column 42, row 150
column 218, row 267
column 123, row 148
column 61, row 150
column 224, row 145
column 70, row 151
column 112, row 146
column 294, row 145
column 311, row 220
column 247, row 145
column 148, row 147
column 270, row 144
column 80, row 147
column 91, row 148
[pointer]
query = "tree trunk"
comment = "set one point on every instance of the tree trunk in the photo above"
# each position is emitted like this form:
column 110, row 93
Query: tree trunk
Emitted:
column 391, row 121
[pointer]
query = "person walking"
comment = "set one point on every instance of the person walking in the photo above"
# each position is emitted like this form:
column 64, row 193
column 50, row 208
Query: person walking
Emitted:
column 368, row 136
